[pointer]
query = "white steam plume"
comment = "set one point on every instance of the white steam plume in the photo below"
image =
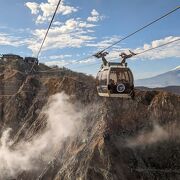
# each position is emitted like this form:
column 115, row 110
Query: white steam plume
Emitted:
column 157, row 134
column 63, row 120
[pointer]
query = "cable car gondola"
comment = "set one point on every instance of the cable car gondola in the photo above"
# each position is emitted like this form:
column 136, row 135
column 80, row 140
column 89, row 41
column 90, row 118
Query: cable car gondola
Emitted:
column 115, row 79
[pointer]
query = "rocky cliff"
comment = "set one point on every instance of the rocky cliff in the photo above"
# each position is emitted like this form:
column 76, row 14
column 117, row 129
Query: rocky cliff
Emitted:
column 53, row 126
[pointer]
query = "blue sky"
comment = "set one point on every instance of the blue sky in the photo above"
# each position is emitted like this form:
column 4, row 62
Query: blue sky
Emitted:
column 83, row 27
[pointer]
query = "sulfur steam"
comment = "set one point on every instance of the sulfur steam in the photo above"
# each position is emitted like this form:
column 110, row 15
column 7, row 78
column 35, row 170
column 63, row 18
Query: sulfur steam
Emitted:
column 63, row 120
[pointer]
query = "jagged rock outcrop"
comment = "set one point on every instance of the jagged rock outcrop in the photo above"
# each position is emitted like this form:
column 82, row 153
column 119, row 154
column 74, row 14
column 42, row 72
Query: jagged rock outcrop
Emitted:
column 120, row 139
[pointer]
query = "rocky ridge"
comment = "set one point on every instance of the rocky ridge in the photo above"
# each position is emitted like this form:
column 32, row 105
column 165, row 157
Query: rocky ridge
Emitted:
column 119, row 139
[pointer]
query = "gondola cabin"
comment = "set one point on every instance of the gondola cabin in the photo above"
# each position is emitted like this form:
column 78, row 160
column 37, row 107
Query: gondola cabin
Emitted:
column 115, row 80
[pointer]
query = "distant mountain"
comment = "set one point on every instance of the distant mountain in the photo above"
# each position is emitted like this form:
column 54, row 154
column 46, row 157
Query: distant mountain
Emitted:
column 171, row 89
column 170, row 78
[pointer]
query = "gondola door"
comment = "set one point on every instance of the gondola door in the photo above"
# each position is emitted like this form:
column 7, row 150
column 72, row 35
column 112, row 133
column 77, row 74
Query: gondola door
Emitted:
column 102, row 82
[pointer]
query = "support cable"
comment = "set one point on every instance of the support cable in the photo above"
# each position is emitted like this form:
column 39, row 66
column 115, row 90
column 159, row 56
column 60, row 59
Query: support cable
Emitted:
column 133, row 33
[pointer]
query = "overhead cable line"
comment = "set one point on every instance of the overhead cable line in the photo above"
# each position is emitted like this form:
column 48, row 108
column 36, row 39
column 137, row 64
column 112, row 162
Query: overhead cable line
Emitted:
column 133, row 33
column 48, row 28
column 158, row 46
column 139, row 52
column 98, row 62
column 58, row 70
column 90, row 56
column 50, row 24
column 41, row 43
column 138, row 30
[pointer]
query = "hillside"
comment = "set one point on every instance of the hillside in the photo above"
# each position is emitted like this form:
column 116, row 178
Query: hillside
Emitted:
column 61, row 129
column 171, row 78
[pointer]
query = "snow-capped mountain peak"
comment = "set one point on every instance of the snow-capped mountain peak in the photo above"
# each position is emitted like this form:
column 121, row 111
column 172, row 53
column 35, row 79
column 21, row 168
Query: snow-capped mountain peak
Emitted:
column 176, row 68
column 170, row 78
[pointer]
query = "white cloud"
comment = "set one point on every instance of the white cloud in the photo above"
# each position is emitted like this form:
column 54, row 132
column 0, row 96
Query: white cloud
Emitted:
column 64, row 62
column 95, row 16
column 62, row 56
column 94, row 13
column 102, row 44
column 33, row 6
column 73, row 33
column 168, row 51
column 41, row 19
column 6, row 39
column 46, row 10
column 107, row 41
column 93, row 19
column 67, row 9
column 59, row 63
column 57, row 23
column 87, row 61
